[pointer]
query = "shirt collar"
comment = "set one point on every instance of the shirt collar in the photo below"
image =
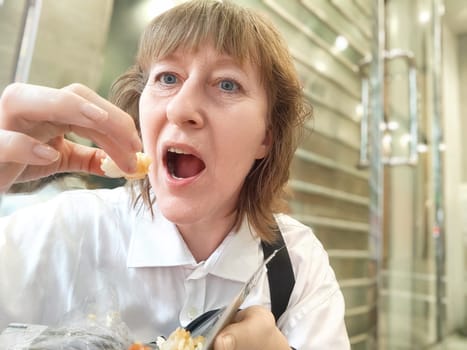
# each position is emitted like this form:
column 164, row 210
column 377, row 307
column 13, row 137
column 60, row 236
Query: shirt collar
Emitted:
column 156, row 242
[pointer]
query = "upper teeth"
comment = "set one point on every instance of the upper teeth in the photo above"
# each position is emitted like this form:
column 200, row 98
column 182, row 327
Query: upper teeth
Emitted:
column 177, row 150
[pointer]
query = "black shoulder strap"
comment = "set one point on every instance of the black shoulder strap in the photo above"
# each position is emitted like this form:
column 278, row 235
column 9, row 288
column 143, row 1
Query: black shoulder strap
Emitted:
column 280, row 275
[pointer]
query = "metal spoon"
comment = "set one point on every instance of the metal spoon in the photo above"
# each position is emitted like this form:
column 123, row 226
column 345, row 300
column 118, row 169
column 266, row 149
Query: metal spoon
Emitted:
column 209, row 325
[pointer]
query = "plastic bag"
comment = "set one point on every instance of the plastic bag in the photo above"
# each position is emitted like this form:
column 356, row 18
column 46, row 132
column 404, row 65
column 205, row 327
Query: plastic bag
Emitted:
column 94, row 325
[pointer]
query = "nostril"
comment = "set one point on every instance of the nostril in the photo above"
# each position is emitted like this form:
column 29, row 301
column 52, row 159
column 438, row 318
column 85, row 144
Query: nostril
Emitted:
column 194, row 120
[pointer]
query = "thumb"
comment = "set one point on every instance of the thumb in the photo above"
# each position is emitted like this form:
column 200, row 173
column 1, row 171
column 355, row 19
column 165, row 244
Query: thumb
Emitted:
column 225, row 342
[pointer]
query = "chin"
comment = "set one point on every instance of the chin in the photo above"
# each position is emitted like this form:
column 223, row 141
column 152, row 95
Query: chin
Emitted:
column 178, row 212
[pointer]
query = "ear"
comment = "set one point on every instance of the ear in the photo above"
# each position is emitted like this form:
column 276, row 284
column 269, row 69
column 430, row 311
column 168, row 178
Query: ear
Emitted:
column 265, row 146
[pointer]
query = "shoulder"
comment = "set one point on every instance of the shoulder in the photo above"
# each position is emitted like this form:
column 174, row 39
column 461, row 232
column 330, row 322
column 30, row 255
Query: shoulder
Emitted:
column 102, row 195
column 300, row 239
column 93, row 201
column 71, row 211
column 310, row 261
column 315, row 313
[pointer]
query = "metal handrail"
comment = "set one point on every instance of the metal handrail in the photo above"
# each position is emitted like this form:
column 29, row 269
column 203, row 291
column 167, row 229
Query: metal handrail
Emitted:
column 25, row 49
column 413, row 111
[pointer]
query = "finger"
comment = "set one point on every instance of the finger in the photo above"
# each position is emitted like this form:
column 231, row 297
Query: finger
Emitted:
column 8, row 175
column 23, row 103
column 74, row 158
column 23, row 149
column 118, row 152
column 120, row 125
column 228, row 338
column 254, row 328
column 81, row 158
column 74, row 105
column 225, row 341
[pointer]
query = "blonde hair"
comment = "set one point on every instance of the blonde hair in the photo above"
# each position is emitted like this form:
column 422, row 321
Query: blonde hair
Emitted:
column 246, row 36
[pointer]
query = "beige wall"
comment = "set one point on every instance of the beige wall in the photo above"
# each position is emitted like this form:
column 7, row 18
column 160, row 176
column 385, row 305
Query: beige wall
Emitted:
column 70, row 41
column 10, row 23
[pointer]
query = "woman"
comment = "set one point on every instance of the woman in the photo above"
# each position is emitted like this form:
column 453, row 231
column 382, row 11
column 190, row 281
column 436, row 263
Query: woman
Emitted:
column 218, row 105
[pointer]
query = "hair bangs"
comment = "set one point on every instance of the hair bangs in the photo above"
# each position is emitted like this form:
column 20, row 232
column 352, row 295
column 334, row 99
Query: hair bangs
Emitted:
column 229, row 28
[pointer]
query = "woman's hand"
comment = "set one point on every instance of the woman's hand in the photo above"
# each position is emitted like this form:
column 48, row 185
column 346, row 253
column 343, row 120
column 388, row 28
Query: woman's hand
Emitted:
column 33, row 123
column 254, row 329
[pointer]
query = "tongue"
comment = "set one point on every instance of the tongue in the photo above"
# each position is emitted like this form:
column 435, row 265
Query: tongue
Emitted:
column 187, row 165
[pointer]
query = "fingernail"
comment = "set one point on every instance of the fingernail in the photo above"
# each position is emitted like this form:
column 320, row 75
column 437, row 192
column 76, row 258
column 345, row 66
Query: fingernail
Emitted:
column 100, row 153
column 132, row 165
column 45, row 152
column 93, row 112
column 229, row 342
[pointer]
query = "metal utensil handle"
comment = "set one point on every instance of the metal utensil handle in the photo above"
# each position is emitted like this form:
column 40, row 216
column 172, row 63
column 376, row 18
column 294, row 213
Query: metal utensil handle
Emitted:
column 229, row 313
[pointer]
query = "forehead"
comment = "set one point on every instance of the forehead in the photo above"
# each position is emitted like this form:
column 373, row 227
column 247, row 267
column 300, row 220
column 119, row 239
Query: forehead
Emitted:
column 192, row 47
column 207, row 53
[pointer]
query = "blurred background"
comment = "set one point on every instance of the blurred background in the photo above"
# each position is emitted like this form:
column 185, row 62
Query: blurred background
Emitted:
column 382, row 177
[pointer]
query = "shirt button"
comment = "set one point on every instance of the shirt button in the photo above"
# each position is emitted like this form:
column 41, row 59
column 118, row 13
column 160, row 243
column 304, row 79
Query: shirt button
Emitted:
column 192, row 313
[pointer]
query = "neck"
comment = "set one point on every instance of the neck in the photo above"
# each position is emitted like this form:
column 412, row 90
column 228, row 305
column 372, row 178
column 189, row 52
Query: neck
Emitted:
column 203, row 238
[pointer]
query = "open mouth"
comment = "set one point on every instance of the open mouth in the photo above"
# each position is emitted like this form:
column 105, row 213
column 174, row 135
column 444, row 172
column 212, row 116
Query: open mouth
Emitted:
column 182, row 165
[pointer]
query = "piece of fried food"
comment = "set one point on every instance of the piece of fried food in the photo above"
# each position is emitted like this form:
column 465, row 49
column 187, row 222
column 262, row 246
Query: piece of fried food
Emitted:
column 139, row 346
column 180, row 339
column 111, row 169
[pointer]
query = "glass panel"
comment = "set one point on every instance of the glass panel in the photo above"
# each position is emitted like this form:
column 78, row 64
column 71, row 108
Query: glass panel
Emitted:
column 413, row 287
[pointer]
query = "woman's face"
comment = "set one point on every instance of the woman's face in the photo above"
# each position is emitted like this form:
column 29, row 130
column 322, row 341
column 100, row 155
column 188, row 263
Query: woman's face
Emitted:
column 204, row 123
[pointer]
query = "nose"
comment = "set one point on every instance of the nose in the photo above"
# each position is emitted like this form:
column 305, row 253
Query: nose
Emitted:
column 186, row 106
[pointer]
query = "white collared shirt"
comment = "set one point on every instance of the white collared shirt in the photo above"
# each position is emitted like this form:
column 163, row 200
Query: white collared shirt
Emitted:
column 84, row 244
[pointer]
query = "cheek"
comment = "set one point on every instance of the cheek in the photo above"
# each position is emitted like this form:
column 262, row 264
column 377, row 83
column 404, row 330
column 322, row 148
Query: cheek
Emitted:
column 142, row 109
column 240, row 143
column 251, row 133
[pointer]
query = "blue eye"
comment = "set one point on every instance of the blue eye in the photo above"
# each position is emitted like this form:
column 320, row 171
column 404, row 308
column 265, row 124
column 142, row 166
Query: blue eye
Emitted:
column 228, row 85
column 168, row 78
